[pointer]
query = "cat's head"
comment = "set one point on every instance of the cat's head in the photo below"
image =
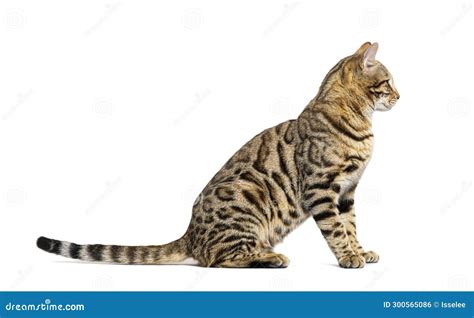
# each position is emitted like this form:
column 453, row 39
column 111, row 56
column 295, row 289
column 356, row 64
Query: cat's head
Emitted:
column 373, row 78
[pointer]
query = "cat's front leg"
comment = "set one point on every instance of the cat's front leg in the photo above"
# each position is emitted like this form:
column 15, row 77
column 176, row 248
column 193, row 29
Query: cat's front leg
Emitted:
column 347, row 214
column 321, row 202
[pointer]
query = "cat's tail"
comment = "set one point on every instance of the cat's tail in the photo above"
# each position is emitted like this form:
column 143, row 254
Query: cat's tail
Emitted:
column 171, row 253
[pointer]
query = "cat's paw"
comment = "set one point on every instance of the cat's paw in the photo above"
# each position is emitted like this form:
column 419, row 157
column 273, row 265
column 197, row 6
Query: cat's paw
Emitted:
column 370, row 257
column 352, row 261
column 270, row 260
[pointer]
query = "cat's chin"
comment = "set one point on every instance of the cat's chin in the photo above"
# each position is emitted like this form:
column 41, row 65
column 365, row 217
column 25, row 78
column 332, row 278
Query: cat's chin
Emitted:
column 383, row 107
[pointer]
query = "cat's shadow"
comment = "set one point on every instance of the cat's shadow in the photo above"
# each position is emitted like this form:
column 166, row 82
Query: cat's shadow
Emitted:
column 337, row 265
column 117, row 264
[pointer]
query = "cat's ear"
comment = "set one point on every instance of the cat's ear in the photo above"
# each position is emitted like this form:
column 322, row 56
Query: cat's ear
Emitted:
column 363, row 48
column 368, row 59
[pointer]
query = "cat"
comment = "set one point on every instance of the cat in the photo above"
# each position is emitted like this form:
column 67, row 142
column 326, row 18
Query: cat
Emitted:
column 308, row 167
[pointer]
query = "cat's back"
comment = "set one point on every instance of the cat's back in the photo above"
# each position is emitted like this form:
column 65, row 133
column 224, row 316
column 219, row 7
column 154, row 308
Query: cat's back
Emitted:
column 270, row 152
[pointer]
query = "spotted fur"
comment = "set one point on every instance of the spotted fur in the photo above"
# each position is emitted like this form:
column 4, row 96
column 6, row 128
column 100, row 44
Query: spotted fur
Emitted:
column 308, row 167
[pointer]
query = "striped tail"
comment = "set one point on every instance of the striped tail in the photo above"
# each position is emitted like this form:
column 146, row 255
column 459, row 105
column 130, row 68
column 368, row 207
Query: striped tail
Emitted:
column 171, row 253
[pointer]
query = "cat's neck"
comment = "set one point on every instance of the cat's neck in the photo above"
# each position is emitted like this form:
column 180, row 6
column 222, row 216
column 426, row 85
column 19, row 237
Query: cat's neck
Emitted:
column 347, row 98
column 355, row 109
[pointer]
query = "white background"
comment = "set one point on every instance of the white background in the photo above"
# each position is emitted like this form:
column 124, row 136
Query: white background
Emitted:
column 115, row 114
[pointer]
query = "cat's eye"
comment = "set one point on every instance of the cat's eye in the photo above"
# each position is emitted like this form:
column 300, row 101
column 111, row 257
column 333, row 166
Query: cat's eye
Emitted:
column 381, row 83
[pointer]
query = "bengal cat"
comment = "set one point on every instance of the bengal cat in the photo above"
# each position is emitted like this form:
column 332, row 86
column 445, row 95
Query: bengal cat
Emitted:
column 308, row 167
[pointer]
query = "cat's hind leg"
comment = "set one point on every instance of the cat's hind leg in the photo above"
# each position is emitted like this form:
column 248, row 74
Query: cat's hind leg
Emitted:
column 245, row 255
column 265, row 259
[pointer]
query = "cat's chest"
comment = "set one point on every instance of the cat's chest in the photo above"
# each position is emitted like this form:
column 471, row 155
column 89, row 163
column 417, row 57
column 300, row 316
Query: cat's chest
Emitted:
column 349, row 180
column 354, row 167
